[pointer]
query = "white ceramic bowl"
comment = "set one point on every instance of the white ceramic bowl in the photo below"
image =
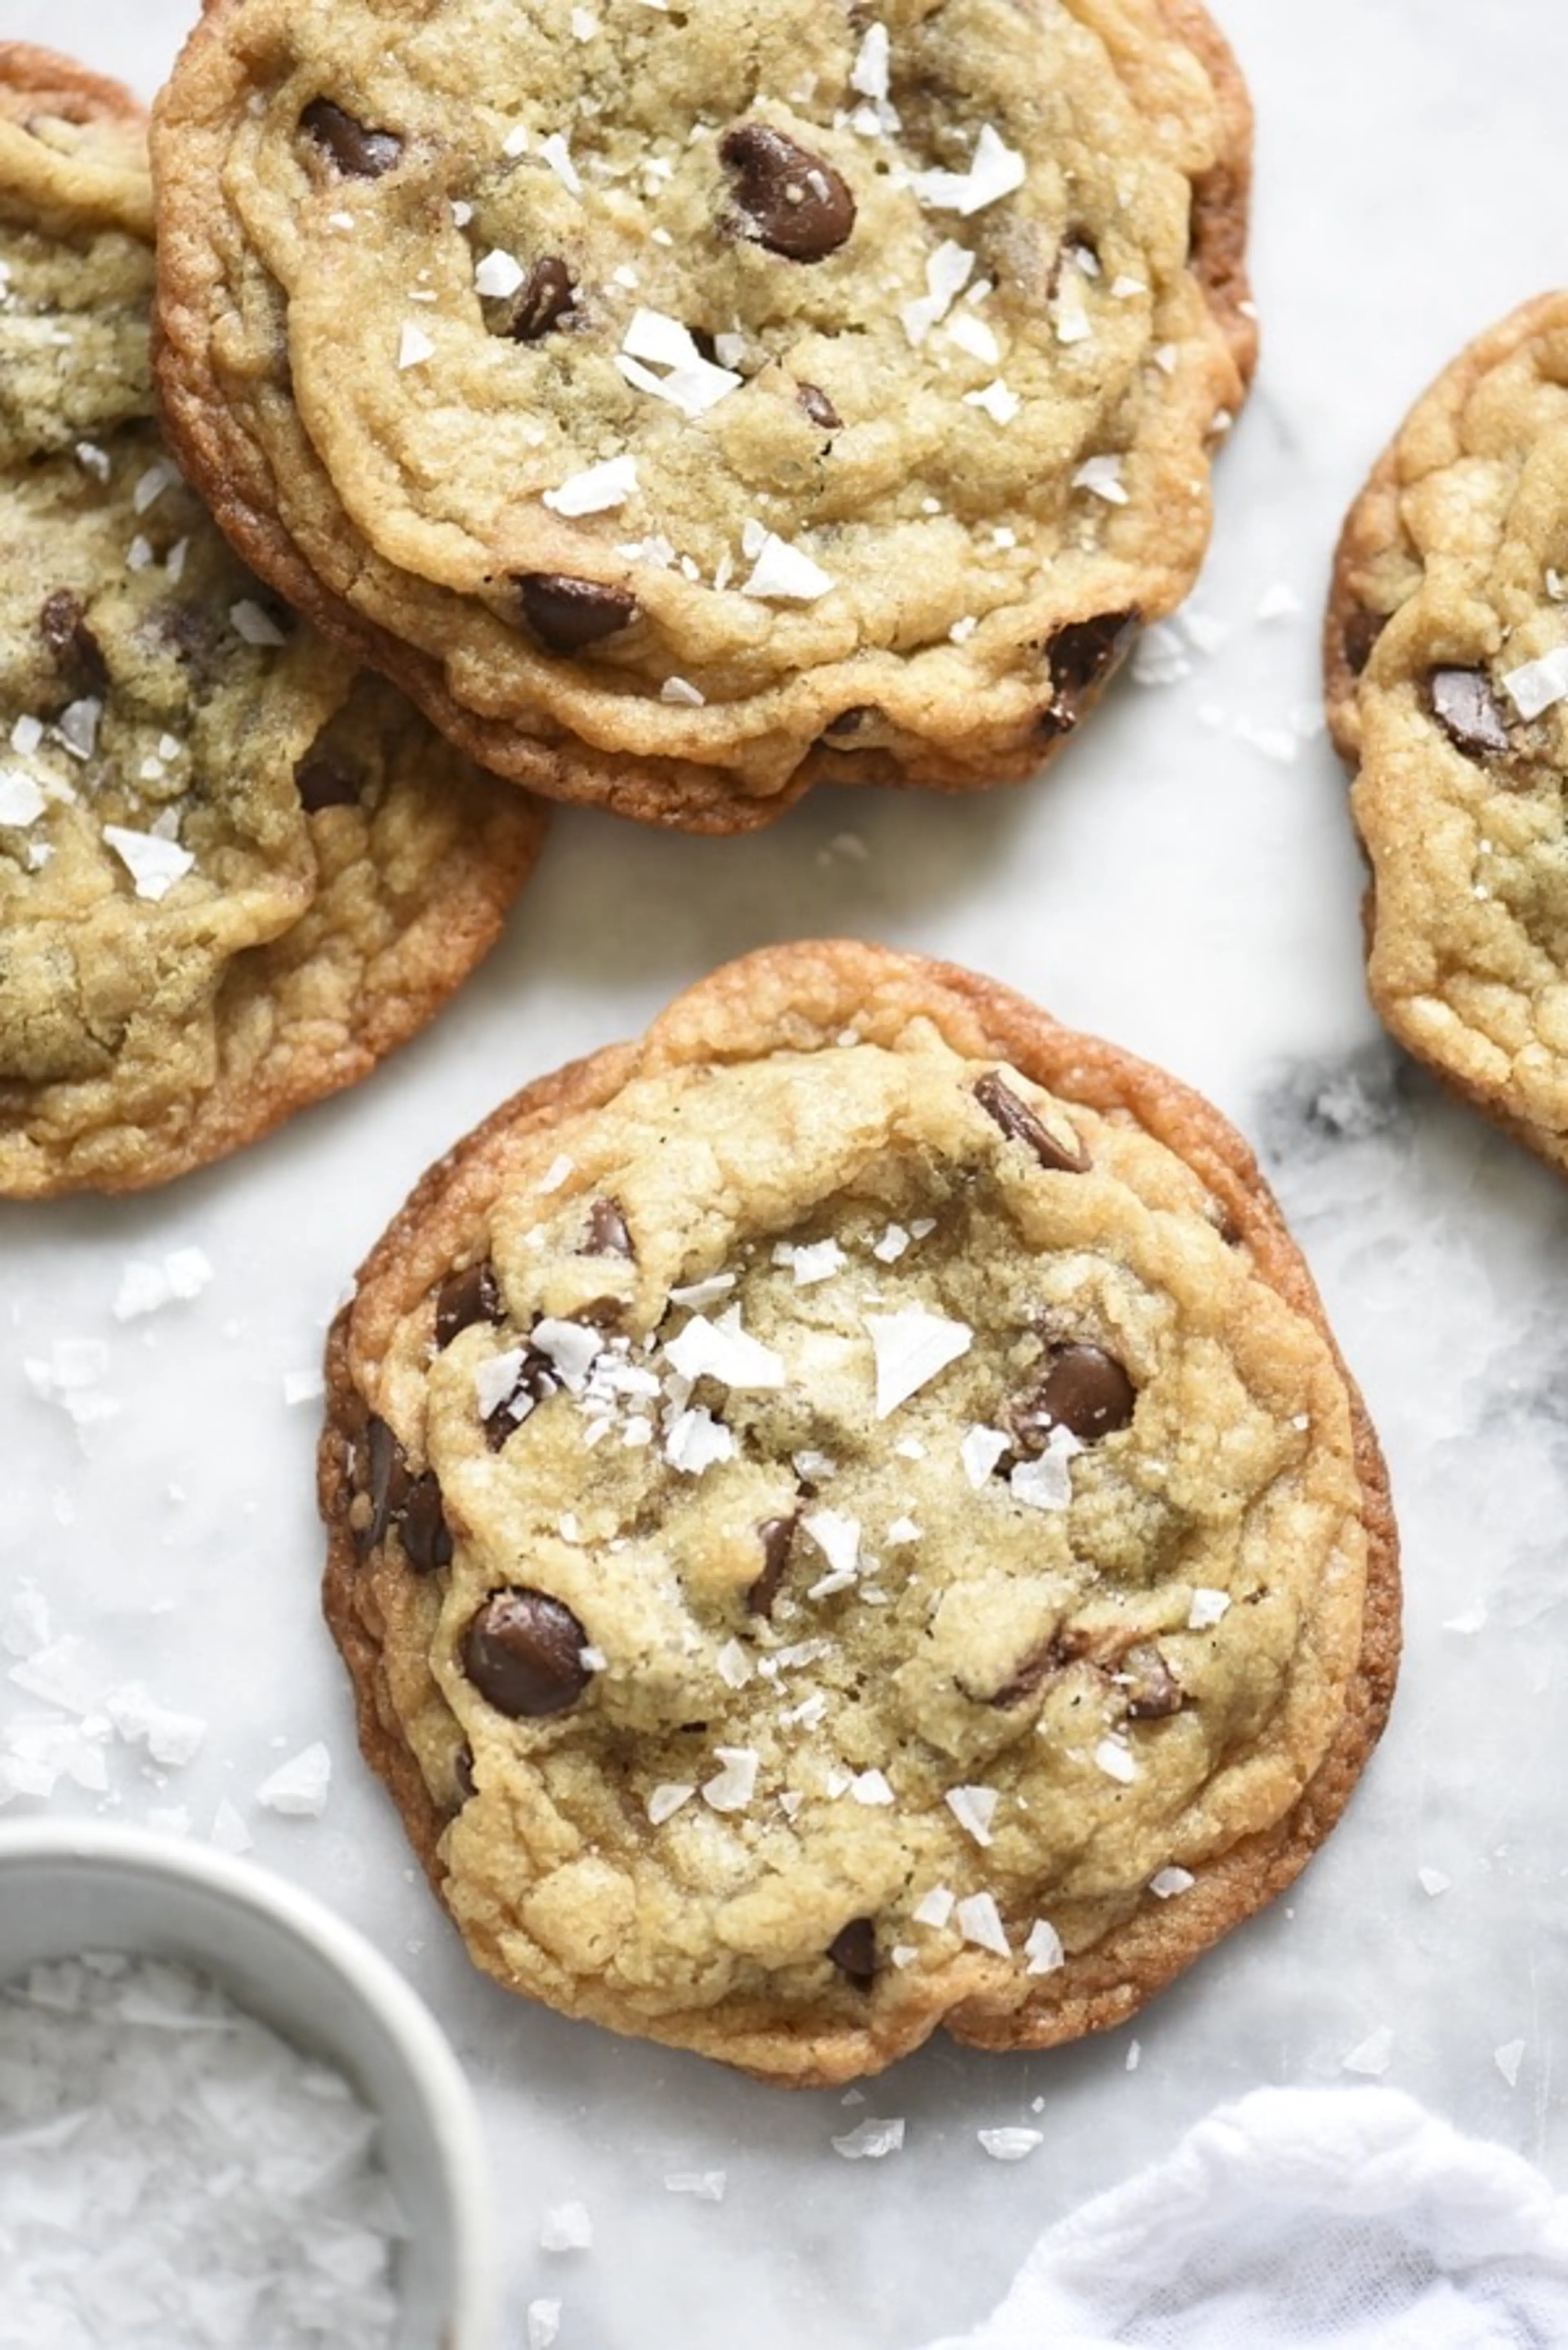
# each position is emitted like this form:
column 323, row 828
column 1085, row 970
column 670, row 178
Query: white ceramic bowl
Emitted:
column 68, row 1886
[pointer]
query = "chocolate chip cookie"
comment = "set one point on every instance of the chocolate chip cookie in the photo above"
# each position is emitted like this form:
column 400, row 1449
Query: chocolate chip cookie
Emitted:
column 689, row 405
column 845, row 1518
column 231, row 873
column 1447, row 657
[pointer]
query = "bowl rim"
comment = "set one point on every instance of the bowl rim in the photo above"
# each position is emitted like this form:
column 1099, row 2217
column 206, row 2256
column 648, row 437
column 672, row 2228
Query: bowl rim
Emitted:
column 438, row 2077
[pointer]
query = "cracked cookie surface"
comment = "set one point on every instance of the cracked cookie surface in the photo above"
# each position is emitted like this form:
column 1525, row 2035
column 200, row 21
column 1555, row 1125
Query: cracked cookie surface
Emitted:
column 686, row 406
column 232, row 874
column 1447, row 659
column 845, row 1518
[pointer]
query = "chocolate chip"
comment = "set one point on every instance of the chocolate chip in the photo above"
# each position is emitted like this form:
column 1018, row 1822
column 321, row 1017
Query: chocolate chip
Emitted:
column 1081, row 656
column 819, row 407
column 777, row 1537
column 796, row 204
column 466, row 1297
column 522, row 1652
column 541, row 302
column 1063, row 1648
column 1152, row 1690
column 358, row 152
column 607, row 1233
column 1361, row 630
column 852, row 1951
column 1085, row 1390
column 1466, row 709
column 323, row 783
column 462, row 1775
column 70, row 640
column 565, row 614
column 1018, row 1123
column 412, row 1504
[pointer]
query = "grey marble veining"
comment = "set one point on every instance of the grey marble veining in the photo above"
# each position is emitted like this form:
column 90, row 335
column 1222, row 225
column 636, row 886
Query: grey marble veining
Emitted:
column 1185, row 881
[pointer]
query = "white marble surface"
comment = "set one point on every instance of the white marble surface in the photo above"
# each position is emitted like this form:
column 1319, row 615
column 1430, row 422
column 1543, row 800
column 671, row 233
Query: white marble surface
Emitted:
column 1172, row 884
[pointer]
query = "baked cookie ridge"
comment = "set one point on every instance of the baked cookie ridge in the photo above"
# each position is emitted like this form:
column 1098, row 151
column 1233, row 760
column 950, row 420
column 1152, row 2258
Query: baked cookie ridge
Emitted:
column 776, row 1538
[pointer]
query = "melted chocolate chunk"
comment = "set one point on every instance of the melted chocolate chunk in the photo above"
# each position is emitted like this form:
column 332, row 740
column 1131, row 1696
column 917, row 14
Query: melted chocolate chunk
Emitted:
column 70, row 640
column 323, row 783
column 358, row 152
column 542, row 301
column 852, row 1951
column 1361, row 630
column 820, row 410
column 1151, row 1688
column 522, row 1652
column 778, row 1538
column 1018, row 1123
column 795, row 203
column 1085, row 1390
column 567, row 615
column 466, row 1297
column 607, row 1234
column 1466, row 709
column 427, row 1538
column 1081, row 656
column 412, row 1504
column 1064, row 1648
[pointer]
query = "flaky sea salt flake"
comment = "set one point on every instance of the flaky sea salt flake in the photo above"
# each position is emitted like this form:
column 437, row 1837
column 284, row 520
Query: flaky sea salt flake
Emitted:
column 1009, row 2145
column 696, row 1441
column 1371, row 2056
column 414, row 345
column 706, row 2186
column 666, row 1800
column 870, row 2140
column 935, row 1907
column 154, row 865
column 911, row 1349
column 21, row 801
column 979, row 1922
column 1102, row 476
column 1508, row 2059
column 1167, row 1883
column 1042, row 1949
column 1206, row 1608
column 567, row 2228
column 974, row 1808
column 1432, row 1881
column 1535, row 685
column 721, row 1351
column 999, row 403
column 980, row 1452
column 596, row 490
column 995, row 170
column 786, row 574
column 543, row 2323
column 816, row 1261
column 252, row 625
column 1116, row 1760
column 1046, row 1482
column 871, row 1788
column 498, row 274
column 298, row 1788
column 732, row 1789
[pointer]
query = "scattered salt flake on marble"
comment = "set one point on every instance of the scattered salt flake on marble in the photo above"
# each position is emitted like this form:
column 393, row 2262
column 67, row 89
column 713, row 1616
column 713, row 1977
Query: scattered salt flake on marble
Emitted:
column 1046, row 1482
column 1042, row 1949
column 696, row 1441
column 1134, row 2055
column 58, row 1676
column 21, row 801
column 935, row 1907
column 24, row 1626
column 813, row 1262
column 154, row 865
column 303, row 1387
column 1372, row 2055
column 980, row 1452
column 171, row 1738
column 707, row 2186
column 1117, row 1761
column 1207, row 1608
column 1102, row 476
column 229, row 1832
column 298, row 1787
column 499, row 273
column 556, row 1174
column 1508, row 2059
column 721, row 1351
column 911, row 1349
column 567, row 2228
column 1009, row 2145
column 974, row 1808
column 870, row 1787
column 786, row 574
column 1158, row 657
column 979, row 1922
column 543, row 2323
column 170, row 1819
column 995, row 170
column 1535, row 685
column 1432, row 1881
column 732, row 1789
column 665, row 1801
column 1202, row 631
column 1279, row 744
column 1278, row 603
column 870, row 2140
column 1167, row 1883
column 596, row 490
column 1473, row 1620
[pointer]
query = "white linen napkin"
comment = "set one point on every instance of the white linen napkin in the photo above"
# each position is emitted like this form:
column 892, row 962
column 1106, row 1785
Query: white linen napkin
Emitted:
column 1341, row 2219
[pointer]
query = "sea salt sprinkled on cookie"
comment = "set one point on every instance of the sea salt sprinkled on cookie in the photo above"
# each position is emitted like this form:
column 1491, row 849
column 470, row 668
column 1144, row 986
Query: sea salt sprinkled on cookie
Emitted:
column 980, row 1452
column 665, row 1801
column 596, row 490
column 1535, row 685
column 974, row 1808
column 696, row 1441
column 723, row 1351
column 979, row 1922
column 819, row 1260
column 910, row 1348
column 21, row 801
column 1207, row 1609
column 1116, row 1760
column 786, row 574
column 1042, row 1949
column 733, row 1788
column 995, row 170
column 1102, row 476
column 154, row 864
column 414, row 345
column 1168, row 1882
column 257, row 628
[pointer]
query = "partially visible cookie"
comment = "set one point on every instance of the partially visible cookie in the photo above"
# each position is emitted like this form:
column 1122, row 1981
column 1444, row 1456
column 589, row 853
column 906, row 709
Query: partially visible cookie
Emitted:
column 1446, row 653
column 845, row 1519
column 687, row 406
column 231, row 876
